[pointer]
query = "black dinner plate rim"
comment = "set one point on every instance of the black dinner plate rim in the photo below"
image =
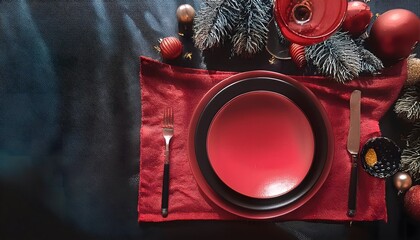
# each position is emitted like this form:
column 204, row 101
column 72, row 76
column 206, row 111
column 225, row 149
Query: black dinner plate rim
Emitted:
column 296, row 95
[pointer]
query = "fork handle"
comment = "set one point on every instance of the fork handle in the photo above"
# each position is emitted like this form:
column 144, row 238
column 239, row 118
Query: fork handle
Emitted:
column 165, row 190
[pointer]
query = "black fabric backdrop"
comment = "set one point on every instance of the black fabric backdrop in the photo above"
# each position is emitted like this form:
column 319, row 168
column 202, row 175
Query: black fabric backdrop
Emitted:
column 69, row 125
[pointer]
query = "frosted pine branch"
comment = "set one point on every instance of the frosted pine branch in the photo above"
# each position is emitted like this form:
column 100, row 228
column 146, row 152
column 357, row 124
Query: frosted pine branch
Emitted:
column 215, row 22
column 337, row 57
column 413, row 137
column 410, row 162
column 408, row 105
column 370, row 63
column 251, row 33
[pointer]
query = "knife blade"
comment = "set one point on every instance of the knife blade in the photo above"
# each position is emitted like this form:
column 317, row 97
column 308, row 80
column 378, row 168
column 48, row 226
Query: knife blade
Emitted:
column 353, row 145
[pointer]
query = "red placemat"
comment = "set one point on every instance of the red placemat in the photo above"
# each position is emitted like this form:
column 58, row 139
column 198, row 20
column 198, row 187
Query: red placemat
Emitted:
column 182, row 88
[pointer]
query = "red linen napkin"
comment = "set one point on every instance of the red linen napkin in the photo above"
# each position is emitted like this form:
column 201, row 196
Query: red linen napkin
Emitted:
column 182, row 88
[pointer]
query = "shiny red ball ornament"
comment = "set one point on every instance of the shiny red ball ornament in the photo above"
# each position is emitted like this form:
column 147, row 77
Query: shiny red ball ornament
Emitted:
column 170, row 47
column 394, row 35
column 412, row 202
column 357, row 18
column 297, row 53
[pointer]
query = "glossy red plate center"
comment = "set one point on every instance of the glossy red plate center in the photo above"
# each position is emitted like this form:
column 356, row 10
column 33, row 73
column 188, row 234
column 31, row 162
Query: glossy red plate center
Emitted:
column 260, row 144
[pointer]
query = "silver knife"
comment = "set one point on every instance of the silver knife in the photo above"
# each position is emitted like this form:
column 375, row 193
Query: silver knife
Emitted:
column 353, row 145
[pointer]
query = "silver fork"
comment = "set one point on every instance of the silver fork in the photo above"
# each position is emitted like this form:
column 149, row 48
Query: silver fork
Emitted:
column 168, row 133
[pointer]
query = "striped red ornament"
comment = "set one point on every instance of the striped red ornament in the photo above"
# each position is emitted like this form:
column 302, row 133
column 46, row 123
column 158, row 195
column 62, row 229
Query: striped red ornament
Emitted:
column 297, row 53
column 170, row 47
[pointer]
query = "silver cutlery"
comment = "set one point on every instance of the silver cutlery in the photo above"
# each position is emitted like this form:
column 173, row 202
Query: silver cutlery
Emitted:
column 168, row 133
column 353, row 145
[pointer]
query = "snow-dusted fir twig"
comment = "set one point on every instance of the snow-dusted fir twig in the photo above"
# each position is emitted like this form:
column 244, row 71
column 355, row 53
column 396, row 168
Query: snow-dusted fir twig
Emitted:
column 251, row 33
column 410, row 161
column 337, row 57
column 370, row 63
column 215, row 21
column 413, row 138
column 408, row 105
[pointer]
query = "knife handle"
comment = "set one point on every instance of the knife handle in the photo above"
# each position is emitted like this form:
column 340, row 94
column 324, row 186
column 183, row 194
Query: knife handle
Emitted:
column 353, row 187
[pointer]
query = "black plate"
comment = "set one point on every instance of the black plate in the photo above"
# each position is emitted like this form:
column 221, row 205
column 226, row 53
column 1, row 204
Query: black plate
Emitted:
column 296, row 95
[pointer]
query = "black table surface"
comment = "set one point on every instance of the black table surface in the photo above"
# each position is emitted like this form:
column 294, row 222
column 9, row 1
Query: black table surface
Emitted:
column 70, row 119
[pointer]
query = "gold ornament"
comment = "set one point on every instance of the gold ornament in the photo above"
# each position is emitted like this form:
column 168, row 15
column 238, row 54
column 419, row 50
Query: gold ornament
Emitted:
column 413, row 71
column 272, row 60
column 402, row 181
column 185, row 13
column 188, row 55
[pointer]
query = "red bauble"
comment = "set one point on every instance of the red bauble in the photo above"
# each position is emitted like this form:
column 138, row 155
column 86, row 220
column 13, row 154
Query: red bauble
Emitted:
column 297, row 53
column 170, row 47
column 357, row 18
column 412, row 202
column 394, row 34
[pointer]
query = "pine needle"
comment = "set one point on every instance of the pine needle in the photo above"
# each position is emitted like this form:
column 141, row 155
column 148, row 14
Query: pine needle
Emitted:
column 413, row 137
column 410, row 162
column 251, row 33
column 337, row 57
column 215, row 21
column 408, row 105
column 370, row 63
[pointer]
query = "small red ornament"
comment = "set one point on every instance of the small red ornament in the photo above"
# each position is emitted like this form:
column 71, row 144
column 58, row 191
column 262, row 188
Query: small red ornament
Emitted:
column 412, row 202
column 357, row 18
column 297, row 53
column 394, row 35
column 170, row 47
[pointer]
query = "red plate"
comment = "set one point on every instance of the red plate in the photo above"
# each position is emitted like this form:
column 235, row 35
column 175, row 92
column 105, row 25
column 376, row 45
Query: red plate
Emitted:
column 260, row 144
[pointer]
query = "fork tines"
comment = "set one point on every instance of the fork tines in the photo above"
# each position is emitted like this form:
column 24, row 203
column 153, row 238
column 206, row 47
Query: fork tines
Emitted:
column 168, row 118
